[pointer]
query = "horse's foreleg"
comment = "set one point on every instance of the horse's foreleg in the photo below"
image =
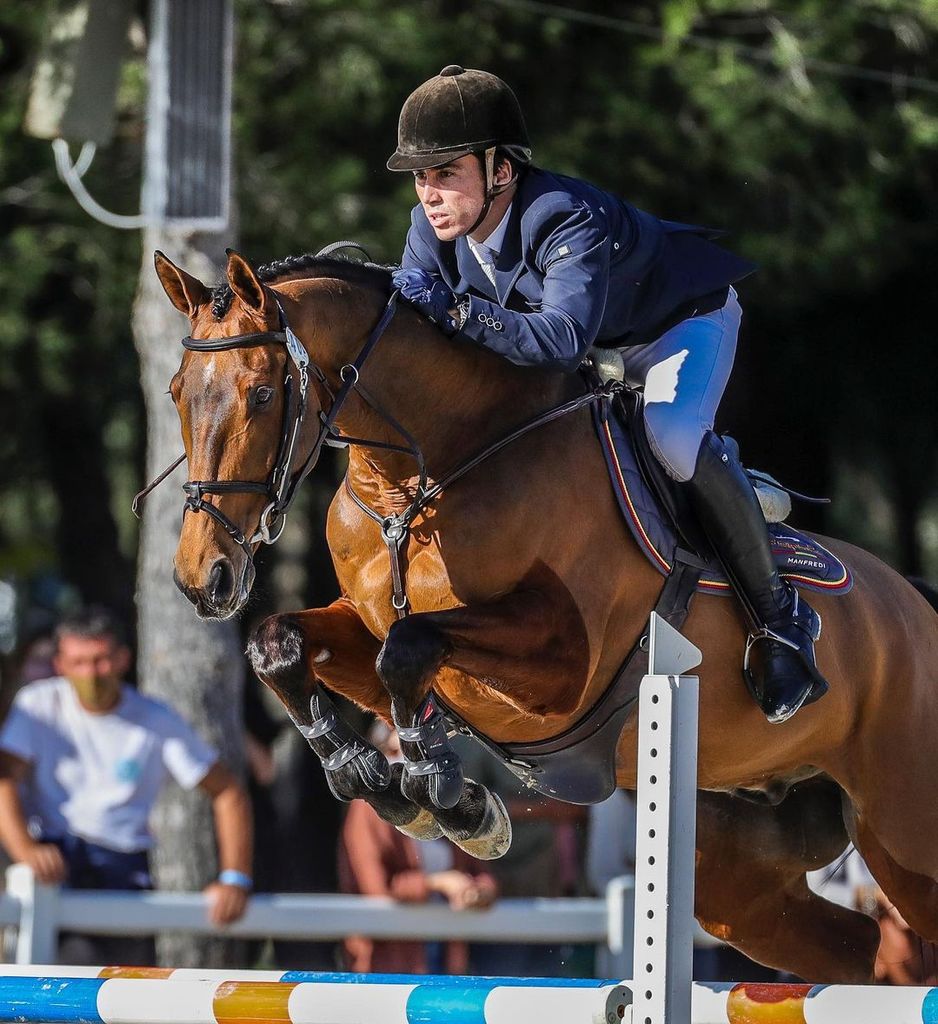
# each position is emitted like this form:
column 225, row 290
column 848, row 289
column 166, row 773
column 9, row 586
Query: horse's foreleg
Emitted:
column 291, row 654
column 527, row 645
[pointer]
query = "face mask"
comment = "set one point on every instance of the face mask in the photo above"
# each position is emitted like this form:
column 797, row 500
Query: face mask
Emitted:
column 97, row 693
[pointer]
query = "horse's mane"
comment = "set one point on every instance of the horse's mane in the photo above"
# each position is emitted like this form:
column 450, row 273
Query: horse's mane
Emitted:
column 309, row 265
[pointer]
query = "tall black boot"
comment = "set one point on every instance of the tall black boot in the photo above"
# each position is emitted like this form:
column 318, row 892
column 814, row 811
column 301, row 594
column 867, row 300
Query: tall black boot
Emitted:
column 784, row 626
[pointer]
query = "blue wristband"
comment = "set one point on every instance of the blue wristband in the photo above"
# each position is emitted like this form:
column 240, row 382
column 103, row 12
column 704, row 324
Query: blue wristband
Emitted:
column 231, row 877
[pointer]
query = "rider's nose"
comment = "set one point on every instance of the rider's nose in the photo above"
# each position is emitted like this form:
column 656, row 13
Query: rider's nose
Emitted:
column 220, row 582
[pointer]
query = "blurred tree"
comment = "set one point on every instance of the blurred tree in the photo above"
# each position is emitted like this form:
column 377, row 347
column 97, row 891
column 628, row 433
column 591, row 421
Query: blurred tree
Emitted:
column 195, row 666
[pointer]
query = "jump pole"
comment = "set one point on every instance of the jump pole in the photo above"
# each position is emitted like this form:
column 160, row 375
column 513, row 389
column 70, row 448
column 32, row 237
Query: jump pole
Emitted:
column 63, row 995
column 56, row 994
column 666, row 822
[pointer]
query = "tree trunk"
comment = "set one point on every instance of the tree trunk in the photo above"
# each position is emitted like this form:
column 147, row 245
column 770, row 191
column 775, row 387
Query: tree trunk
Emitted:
column 195, row 666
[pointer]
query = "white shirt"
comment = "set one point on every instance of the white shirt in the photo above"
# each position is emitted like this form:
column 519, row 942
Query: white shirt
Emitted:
column 486, row 253
column 97, row 776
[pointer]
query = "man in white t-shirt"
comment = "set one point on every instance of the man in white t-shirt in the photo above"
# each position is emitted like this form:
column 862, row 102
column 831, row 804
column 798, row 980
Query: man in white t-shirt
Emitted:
column 82, row 759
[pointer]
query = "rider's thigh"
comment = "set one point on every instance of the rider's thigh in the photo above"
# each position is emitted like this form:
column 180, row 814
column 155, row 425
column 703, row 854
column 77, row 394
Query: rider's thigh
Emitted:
column 685, row 373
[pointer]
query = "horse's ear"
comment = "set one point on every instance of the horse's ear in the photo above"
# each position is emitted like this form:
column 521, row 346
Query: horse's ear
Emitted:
column 244, row 282
column 185, row 292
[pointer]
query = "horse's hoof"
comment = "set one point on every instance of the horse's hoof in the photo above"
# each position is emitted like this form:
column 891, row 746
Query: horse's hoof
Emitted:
column 493, row 837
column 424, row 827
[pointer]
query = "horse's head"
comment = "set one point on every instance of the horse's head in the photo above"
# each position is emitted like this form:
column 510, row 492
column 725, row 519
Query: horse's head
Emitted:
column 239, row 395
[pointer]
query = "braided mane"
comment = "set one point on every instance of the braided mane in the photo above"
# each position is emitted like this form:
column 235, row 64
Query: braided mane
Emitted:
column 306, row 266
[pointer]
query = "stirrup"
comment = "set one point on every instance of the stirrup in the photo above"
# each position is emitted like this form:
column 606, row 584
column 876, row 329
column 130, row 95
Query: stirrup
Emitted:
column 779, row 703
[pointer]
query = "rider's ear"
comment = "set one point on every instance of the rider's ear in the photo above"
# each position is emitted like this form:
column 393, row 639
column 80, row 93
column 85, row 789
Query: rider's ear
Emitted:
column 185, row 292
column 244, row 282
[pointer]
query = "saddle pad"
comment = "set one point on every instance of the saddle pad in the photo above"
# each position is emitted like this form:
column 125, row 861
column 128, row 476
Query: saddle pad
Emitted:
column 799, row 558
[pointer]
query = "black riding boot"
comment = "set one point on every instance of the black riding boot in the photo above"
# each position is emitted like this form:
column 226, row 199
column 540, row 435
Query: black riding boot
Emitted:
column 785, row 626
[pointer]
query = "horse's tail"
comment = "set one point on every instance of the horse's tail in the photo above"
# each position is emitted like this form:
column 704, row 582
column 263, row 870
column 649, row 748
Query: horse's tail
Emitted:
column 928, row 590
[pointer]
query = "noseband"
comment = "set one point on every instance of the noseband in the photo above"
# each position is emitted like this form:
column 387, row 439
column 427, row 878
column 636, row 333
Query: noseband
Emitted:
column 282, row 484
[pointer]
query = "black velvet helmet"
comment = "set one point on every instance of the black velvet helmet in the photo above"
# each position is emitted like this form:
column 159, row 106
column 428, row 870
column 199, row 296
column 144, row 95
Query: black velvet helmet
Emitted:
column 459, row 111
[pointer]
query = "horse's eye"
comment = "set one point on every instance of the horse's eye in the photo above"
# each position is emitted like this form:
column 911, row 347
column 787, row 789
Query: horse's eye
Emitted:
column 262, row 394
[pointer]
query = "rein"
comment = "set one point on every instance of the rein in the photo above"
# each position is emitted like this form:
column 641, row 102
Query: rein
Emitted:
column 395, row 529
column 283, row 482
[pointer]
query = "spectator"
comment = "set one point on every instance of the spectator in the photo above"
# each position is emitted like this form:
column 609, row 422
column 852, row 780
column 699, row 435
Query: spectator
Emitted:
column 377, row 860
column 82, row 760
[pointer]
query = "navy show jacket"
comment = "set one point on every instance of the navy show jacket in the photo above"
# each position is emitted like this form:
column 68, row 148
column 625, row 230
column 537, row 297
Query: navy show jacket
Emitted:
column 577, row 266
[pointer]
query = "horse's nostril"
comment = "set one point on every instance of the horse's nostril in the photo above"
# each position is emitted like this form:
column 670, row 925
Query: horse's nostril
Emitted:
column 220, row 581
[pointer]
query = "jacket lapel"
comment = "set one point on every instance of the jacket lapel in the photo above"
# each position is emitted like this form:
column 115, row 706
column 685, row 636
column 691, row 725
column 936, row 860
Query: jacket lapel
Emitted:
column 473, row 276
column 509, row 263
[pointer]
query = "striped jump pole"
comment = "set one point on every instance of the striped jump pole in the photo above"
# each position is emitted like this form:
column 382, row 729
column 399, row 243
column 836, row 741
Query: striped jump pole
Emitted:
column 141, row 995
column 61, row 995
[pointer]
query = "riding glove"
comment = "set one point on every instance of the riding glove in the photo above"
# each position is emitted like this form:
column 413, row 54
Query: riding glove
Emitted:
column 429, row 294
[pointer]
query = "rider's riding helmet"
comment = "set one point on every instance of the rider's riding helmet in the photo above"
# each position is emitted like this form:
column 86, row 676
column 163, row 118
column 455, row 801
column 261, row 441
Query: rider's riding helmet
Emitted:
column 459, row 111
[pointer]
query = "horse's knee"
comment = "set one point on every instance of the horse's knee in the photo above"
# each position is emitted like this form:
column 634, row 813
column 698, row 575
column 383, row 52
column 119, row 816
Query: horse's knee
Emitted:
column 277, row 652
column 411, row 654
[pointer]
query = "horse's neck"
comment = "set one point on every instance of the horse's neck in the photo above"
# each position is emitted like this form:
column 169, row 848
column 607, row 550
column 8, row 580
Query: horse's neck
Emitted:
column 451, row 396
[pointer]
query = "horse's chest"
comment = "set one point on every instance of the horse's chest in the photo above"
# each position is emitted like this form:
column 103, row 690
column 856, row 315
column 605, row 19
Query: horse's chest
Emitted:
column 366, row 577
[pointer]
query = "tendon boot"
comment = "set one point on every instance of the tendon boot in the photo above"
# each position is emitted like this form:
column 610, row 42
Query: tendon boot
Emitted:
column 429, row 757
column 779, row 665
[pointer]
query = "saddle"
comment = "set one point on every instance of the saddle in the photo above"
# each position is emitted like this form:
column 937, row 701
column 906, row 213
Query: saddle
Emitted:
column 659, row 516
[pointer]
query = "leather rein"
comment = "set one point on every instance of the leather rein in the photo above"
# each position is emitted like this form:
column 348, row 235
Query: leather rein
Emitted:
column 283, row 482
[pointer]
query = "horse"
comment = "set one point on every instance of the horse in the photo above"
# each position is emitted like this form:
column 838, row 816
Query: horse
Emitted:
column 515, row 594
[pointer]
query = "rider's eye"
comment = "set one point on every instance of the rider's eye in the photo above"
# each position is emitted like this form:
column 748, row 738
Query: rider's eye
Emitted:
column 262, row 395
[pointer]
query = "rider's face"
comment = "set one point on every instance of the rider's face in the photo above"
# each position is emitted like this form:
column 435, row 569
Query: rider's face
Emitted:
column 452, row 196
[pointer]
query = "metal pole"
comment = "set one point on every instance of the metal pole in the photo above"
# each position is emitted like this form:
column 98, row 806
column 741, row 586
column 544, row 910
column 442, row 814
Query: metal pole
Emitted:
column 666, row 830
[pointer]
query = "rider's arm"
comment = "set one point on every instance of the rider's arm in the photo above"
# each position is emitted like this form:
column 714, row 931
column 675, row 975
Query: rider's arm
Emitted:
column 572, row 250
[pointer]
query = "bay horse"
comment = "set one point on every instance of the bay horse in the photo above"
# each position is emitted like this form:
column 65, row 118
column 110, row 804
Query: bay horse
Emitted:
column 524, row 591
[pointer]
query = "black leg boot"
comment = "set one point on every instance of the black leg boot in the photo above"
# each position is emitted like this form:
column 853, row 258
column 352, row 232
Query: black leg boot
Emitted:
column 779, row 665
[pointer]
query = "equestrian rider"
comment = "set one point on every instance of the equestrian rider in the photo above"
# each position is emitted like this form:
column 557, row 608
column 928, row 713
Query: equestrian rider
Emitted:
column 538, row 267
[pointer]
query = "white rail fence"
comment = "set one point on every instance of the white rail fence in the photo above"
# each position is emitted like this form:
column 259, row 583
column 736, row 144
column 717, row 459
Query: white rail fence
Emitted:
column 39, row 912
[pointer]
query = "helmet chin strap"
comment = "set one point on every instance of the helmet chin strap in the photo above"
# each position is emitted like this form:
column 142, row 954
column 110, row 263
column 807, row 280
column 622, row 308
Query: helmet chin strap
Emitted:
column 491, row 189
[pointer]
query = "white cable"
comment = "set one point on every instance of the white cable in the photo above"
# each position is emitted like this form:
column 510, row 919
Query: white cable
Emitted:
column 85, row 157
column 72, row 174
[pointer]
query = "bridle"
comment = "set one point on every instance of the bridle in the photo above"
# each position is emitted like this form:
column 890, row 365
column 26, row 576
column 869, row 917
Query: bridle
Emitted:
column 284, row 480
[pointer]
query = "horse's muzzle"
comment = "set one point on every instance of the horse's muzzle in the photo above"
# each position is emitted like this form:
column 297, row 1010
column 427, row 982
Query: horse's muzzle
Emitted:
column 223, row 594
